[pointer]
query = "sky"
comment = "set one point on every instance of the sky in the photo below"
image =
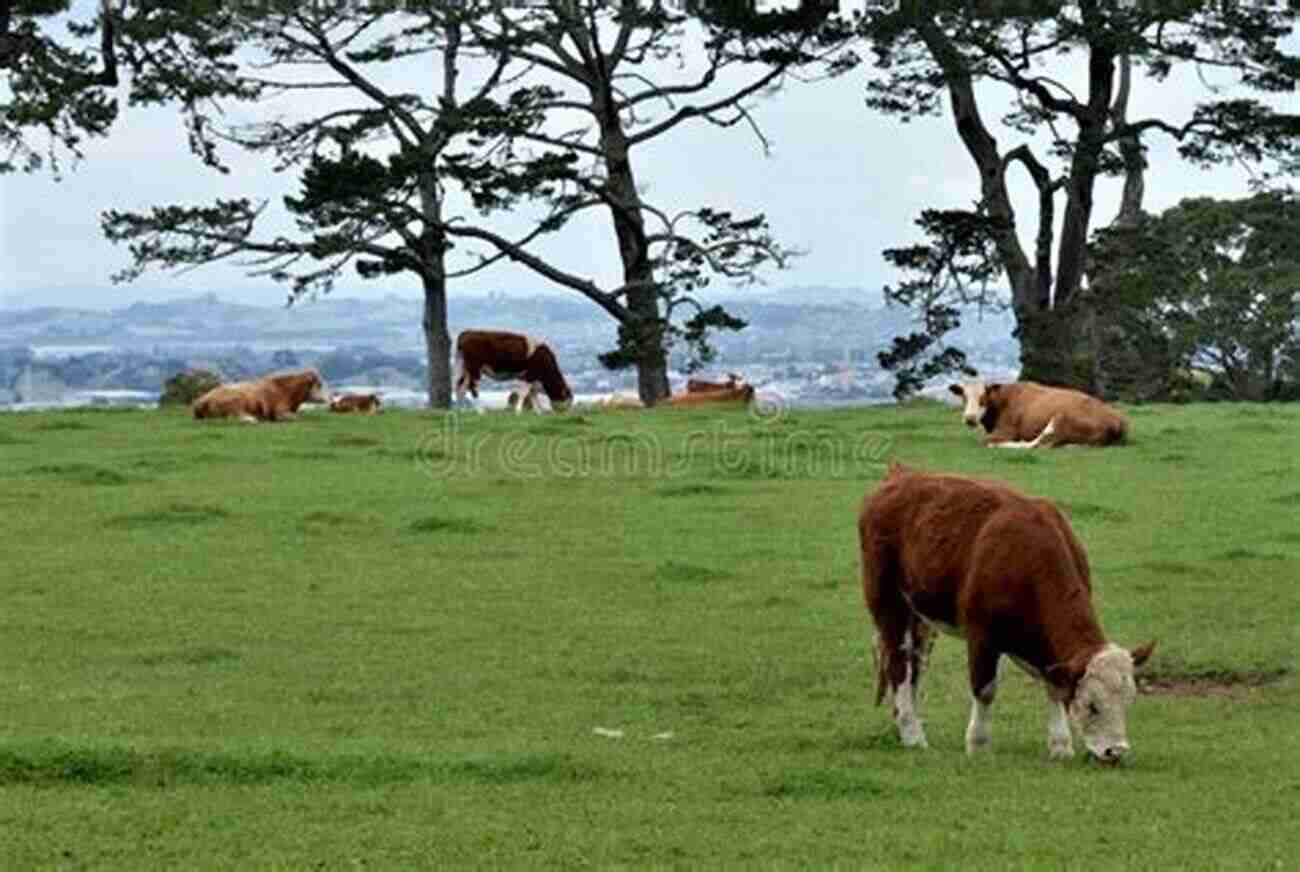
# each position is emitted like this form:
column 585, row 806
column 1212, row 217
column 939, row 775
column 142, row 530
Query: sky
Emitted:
column 839, row 183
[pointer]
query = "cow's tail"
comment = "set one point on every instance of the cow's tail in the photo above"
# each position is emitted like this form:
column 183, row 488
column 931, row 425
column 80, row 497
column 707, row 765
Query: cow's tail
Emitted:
column 877, row 651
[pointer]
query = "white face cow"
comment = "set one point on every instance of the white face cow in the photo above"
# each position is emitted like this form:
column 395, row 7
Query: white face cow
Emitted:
column 1101, row 699
column 972, row 393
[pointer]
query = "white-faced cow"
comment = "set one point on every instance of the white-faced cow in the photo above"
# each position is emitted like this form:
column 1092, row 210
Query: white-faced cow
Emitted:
column 505, row 356
column 702, row 386
column 1003, row 571
column 1030, row 415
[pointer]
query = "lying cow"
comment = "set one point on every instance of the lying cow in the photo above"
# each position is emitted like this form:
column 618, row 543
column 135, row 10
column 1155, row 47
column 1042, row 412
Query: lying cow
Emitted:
column 504, row 356
column 741, row 395
column 988, row 564
column 274, row 397
column 368, row 404
column 1030, row 415
column 700, row 386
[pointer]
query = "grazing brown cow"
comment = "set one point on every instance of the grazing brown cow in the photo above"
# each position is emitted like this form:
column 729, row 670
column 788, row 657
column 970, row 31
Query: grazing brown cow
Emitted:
column 503, row 356
column 700, row 386
column 1003, row 571
column 368, row 404
column 743, row 395
column 274, row 397
column 1029, row 415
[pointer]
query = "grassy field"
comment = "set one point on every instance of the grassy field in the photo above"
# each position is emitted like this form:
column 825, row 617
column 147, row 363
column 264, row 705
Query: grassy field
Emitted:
column 608, row 640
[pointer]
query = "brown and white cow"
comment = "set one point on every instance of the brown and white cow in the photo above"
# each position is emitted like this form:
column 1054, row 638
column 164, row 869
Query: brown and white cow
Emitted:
column 701, row 386
column 504, row 356
column 368, row 404
column 1003, row 571
column 274, row 397
column 1029, row 415
column 741, row 395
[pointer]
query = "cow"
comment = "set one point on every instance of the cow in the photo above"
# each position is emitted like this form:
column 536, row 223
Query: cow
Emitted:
column 274, row 397
column 503, row 356
column 700, row 386
column 1029, row 415
column 369, row 404
column 1002, row 570
column 620, row 401
column 741, row 395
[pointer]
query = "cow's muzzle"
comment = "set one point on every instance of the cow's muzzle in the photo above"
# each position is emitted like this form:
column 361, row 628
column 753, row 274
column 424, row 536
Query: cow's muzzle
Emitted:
column 1110, row 755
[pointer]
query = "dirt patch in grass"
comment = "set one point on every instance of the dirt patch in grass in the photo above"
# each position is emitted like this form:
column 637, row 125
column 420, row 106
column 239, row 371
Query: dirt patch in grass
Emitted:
column 173, row 515
column 434, row 524
column 80, row 473
column 1208, row 683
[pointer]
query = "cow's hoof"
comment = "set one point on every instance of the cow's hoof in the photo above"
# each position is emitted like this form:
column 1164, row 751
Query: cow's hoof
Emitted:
column 977, row 744
column 1060, row 752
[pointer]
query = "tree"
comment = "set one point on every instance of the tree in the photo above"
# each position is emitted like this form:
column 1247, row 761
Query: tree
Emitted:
column 1213, row 286
column 1069, row 141
column 608, row 63
column 59, row 88
column 387, row 176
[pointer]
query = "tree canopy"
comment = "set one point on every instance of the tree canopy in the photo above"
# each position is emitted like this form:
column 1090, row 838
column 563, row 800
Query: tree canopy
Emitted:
column 1065, row 138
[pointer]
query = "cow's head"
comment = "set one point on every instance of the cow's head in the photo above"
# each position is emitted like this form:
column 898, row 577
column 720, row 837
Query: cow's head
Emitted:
column 318, row 392
column 1099, row 691
column 977, row 398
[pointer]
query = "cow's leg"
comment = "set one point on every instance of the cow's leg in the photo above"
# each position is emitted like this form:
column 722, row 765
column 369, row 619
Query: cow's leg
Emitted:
column 982, row 661
column 1042, row 439
column 897, row 645
column 531, row 398
column 1059, row 745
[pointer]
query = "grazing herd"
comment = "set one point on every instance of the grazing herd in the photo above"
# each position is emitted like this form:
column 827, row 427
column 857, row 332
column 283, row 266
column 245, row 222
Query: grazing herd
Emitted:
column 947, row 554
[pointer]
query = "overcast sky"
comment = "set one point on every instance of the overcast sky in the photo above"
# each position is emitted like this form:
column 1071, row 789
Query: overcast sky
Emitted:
column 840, row 183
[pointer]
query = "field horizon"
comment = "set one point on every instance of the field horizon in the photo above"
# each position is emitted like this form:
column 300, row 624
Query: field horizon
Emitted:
column 610, row 639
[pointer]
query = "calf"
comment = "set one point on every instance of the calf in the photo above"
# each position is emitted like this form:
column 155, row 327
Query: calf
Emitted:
column 366, row 403
column 1003, row 571
column 503, row 356
column 1030, row 415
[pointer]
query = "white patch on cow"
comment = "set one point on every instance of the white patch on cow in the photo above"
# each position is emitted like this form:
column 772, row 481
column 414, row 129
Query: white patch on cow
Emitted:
column 530, row 345
column 247, row 418
column 904, row 701
column 977, row 731
column 1101, row 702
column 1037, row 441
column 1059, row 744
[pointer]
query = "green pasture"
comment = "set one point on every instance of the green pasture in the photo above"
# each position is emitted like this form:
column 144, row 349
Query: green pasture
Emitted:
column 610, row 639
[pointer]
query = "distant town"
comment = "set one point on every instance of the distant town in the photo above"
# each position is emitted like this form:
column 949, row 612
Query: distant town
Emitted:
column 809, row 346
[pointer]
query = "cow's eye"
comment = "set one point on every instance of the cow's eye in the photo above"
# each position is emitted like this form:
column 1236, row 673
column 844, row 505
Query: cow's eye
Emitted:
column 1094, row 709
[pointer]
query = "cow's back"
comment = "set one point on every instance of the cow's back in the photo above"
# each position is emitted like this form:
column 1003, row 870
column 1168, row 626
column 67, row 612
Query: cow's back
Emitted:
column 961, row 549
column 1028, row 407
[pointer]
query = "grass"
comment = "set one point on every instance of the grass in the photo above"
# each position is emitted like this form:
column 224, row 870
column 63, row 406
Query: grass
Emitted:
column 637, row 640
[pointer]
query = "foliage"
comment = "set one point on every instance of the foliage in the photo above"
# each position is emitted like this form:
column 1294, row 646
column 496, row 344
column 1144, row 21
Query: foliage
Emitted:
column 1216, row 282
column 185, row 387
column 620, row 70
column 292, row 646
column 1067, row 139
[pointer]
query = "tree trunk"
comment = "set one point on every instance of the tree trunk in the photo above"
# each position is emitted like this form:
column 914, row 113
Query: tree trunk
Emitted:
column 634, row 252
column 437, row 342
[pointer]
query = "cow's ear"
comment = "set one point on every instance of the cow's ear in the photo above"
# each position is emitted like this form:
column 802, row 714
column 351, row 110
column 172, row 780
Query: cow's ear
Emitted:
column 990, row 390
column 1142, row 653
column 956, row 389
